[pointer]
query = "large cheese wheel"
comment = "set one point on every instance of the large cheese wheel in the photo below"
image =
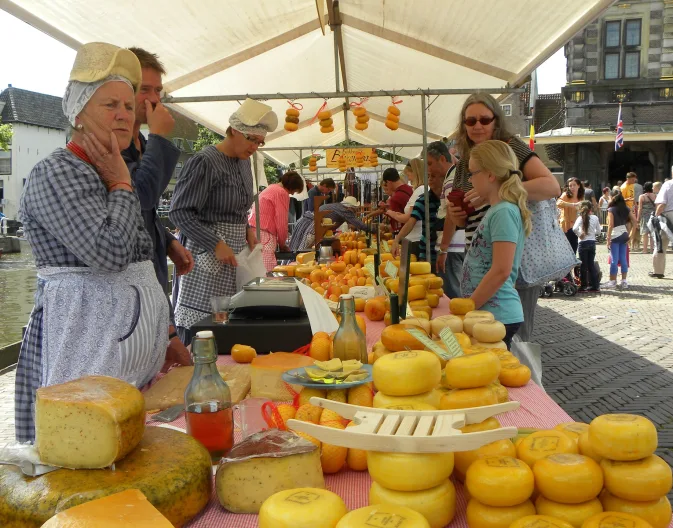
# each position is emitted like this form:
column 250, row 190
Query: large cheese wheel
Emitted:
column 407, row 373
column 419, row 268
column 396, row 338
column 500, row 391
column 415, row 322
column 573, row 429
column 544, row 443
column 656, row 512
column 584, row 445
column 489, row 331
column 639, row 480
column 172, row 469
column 464, row 459
column 467, row 398
column 514, row 375
column 574, row 514
column 415, row 293
column 471, row 371
column 433, row 300
column 90, row 422
column 623, row 436
column 478, row 344
column 441, row 322
column 435, row 283
column 499, row 481
column 409, row 471
column 481, row 313
column 566, row 478
column 385, row 401
column 460, row 306
column 540, row 521
column 437, row 505
column 382, row 515
column 302, row 508
column 482, row 516
column 615, row 520
column 469, row 322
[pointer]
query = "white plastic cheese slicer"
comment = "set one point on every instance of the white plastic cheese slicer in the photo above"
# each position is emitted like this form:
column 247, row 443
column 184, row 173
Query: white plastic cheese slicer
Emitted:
column 399, row 431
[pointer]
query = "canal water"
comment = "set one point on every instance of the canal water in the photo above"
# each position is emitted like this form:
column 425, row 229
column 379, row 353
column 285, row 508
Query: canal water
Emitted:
column 18, row 281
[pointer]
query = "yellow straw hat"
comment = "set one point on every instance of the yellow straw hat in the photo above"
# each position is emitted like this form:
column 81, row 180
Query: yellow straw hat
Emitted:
column 98, row 60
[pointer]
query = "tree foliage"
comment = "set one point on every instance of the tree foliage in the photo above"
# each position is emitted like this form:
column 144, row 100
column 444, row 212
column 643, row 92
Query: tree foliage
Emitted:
column 5, row 136
column 205, row 138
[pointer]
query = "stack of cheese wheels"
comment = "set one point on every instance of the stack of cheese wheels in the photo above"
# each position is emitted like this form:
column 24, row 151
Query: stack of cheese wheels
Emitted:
column 424, row 289
column 499, row 448
column 636, row 480
column 383, row 515
column 500, row 488
column 404, row 379
column 469, row 378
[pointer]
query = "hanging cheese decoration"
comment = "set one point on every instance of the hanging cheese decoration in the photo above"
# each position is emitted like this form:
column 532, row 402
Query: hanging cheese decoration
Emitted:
column 373, row 158
column 359, row 159
column 342, row 164
column 292, row 117
column 313, row 163
column 393, row 117
column 326, row 123
column 361, row 118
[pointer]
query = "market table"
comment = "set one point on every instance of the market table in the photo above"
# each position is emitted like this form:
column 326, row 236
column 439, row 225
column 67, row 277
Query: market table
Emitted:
column 537, row 410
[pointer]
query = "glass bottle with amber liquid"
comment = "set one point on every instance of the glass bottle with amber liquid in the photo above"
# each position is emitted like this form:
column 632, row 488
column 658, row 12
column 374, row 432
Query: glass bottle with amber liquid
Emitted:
column 208, row 400
column 349, row 341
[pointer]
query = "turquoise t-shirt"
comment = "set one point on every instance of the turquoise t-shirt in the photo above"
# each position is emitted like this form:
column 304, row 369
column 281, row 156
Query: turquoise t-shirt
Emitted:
column 502, row 223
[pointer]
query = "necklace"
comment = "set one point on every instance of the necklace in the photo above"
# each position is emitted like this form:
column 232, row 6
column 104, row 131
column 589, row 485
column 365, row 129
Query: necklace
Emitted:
column 78, row 151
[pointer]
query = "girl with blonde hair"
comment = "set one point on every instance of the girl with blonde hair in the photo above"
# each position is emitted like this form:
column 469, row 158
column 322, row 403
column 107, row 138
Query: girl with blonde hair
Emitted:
column 492, row 262
column 415, row 174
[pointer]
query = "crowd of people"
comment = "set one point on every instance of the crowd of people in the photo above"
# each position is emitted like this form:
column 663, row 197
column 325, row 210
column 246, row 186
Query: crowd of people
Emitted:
column 90, row 213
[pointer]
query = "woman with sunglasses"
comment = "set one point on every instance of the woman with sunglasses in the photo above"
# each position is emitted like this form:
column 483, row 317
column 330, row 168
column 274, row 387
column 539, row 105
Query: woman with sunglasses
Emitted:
column 482, row 119
column 210, row 207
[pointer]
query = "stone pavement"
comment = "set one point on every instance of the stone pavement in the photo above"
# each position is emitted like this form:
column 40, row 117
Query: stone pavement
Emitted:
column 602, row 353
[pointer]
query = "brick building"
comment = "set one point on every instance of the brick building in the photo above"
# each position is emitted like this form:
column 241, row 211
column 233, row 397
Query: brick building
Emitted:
column 625, row 55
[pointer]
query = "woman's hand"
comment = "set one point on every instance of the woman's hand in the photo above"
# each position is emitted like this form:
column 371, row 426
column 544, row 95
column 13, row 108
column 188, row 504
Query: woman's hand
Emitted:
column 394, row 247
column 110, row 165
column 181, row 257
column 474, row 199
column 441, row 262
column 457, row 215
column 225, row 254
column 251, row 237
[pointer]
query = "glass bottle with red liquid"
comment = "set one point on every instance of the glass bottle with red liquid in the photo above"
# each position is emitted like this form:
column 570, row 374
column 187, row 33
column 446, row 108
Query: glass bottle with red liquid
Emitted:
column 208, row 407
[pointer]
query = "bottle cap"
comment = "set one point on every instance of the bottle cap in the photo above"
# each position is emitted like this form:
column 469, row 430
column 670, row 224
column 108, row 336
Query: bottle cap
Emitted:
column 345, row 296
column 205, row 334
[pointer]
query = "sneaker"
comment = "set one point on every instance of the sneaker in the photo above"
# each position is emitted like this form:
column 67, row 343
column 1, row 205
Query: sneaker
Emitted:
column 624, row 285
column 655, row 275
column 609, row 284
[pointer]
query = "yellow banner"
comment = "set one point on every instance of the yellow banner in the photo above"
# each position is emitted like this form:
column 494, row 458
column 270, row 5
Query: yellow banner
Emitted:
column 334, row 155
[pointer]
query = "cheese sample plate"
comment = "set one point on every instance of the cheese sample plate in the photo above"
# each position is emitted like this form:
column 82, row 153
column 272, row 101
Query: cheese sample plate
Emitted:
column 291, row 377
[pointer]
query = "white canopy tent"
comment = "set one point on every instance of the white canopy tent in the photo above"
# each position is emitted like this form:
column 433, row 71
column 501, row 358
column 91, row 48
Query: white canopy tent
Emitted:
column 223, row 47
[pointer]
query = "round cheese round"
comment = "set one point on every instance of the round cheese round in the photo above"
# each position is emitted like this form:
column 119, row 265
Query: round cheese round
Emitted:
column 541, row 444
column 499, row 481
column 482, row 516
column 408, row 403
column 382, row 515
column 568, row 478
column 639, row 480
column 467, row 398
column 409, row 471
column 489, row 332
column 464, row 459
column 472, row 371
column 656, row 512
column 407, row 373
column 623, row 436
column 302, row 508
column 540, row 521
column 615, row 520
column 574, row 514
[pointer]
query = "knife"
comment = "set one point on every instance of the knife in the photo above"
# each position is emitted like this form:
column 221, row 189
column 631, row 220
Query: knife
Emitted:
column 31, row 469
column 170, row 414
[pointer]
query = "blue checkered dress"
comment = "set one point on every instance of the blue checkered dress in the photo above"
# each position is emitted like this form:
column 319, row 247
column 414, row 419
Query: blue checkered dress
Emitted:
column 70, row 220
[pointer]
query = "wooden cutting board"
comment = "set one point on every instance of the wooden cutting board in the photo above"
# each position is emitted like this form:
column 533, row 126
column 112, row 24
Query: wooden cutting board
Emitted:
column 170, row 390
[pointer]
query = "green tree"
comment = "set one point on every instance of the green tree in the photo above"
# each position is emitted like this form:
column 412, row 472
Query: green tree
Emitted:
column 5, row 136
column 270, row 170
column 206, row 137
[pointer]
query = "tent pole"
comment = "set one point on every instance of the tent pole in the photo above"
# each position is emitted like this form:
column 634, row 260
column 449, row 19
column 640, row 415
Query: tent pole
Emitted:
column 426, row 193
column 257, row 225
column 326, row 147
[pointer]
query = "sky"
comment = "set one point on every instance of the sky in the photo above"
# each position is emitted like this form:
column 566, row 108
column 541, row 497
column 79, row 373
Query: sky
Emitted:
column 37, row 62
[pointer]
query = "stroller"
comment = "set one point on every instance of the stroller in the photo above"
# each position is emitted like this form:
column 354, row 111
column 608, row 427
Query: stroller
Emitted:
column 566, row 286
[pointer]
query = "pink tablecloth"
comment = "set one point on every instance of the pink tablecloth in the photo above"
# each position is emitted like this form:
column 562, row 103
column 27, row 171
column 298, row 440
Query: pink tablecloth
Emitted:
column 537, row 410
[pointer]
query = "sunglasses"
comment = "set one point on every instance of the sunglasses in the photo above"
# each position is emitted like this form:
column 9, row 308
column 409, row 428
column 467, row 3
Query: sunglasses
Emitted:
column 254, row 140
column 471, row 121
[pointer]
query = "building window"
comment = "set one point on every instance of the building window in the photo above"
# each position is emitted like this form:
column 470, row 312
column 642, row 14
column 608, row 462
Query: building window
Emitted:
column 507, row 109
column 632, row 65
column 578, row 97
column 632, row 33
column 5, row 162
column 612, row 65
column 178, row 170
column 613, row 30
column 621, row 42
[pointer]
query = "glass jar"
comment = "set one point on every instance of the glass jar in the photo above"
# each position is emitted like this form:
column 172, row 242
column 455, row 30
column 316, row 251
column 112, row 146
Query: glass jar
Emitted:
column 208, row 409
column 349, row 341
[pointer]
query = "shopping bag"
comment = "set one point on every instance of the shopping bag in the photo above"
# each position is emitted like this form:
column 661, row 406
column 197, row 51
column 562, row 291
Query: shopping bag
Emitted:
column 529, row 354
column 250, row 266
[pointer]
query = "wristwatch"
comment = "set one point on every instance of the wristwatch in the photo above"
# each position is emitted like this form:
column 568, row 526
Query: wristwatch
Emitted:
column 443, row 251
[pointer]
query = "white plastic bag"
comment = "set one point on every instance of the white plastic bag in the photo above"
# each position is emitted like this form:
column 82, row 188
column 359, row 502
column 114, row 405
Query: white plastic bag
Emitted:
column 250, row 266
column 529, row 354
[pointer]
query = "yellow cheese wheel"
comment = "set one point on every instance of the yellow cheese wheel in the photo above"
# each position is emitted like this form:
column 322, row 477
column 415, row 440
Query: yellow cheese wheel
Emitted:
column 302, row 508
column 469, row 322
column 415, row 280
column 435, row 283
column 481, row 313
column 304, row 258
column 437, row 505
column 436, row 291
column 472, row 371
column 584, row 445
column 467, row 398
column 540, row 521
column 615, row 520
column 419, row 268
column 464, row 459
column 460, row 306
column 396, row 338
column 501, row 392
column 573, row 429
column 623, row 436
column 407, row 373
column 433, row 300
column 499, row 345
column 385, row 401
column 482, row 516
column 243, row 353
column 440, row 323
column 172, row 469
column 409, row 471
column 544, row 443
column 639, row 480
column 419, row 303
column 383, row 515
column 486, row 425
column 574, row 514
column 499, row 481
column 489, row 332
column 462, row 338
column 656, row 512
column 567, row 478
column 514, row 374
column 423, row 324
column 417, row 292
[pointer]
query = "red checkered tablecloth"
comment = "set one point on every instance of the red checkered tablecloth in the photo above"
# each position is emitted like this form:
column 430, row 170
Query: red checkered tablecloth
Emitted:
column 537, row 410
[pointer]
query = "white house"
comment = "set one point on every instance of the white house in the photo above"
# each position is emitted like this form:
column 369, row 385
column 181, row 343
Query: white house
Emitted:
column 39, row 128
